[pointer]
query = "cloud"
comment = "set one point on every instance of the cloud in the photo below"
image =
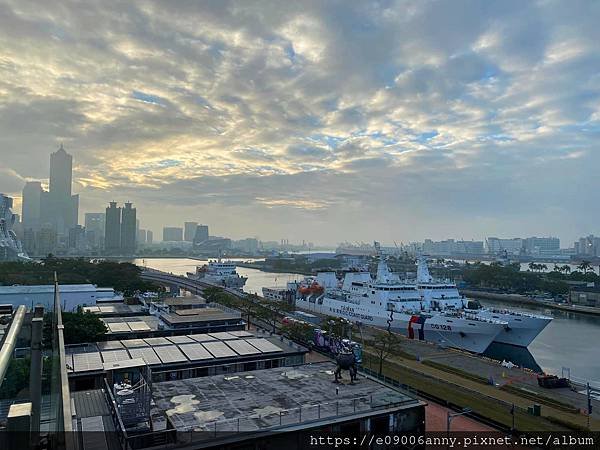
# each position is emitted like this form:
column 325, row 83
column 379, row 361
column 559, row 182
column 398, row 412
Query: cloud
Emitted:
column 405, row 119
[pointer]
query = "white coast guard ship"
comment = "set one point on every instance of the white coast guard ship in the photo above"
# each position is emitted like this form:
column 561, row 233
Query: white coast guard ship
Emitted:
column 387, row 300
column 522, row 327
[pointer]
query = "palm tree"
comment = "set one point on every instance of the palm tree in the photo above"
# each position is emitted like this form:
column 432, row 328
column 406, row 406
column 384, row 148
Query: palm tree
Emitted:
column 566, row 268
column 557, row 268
column 532, row 266
column 542, row 267
column 585, row 266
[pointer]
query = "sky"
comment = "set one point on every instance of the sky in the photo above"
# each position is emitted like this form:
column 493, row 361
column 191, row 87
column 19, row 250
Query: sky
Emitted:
column 326, row 121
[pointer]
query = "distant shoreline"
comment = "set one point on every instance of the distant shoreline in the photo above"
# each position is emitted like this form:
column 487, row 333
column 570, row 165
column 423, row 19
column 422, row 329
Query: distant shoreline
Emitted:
column 522, row 299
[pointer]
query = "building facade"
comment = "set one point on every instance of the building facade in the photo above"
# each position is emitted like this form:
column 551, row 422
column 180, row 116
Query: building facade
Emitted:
column 201, row 234
column 171, row 234
column 128, row 229
column 112, row 237
column 189, row 231
column 62, row 207
column 496, row 245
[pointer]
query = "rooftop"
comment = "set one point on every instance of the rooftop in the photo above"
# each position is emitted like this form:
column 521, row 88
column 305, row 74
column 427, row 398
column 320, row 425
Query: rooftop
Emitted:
column 113, row 309
column 271, row 398
column 121, row 325
column 197, row 315
column 192, row 348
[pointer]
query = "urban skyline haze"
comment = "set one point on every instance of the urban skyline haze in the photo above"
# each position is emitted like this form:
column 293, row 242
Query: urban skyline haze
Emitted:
column 325, row 121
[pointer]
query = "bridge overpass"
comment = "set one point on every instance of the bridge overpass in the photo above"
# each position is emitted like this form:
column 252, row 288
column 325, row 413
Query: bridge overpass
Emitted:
column 181, row 282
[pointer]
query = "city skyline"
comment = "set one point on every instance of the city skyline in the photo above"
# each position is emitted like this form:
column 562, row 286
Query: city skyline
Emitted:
column 406, row 120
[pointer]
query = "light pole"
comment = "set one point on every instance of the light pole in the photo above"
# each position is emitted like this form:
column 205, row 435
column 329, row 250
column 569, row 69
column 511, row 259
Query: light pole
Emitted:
column 452, row 416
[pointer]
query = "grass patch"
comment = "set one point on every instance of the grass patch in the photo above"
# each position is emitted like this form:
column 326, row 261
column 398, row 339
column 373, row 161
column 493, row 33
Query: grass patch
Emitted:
column 566, row 423
column 540, row 398
column 456, row 371
column 461, row 397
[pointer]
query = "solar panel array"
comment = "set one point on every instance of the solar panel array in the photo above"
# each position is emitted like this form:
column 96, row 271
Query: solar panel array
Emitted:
column 223, row 336
column 155, row 341
column 242, row 347
column 169, row 354
column 173, row 349
column 195, row 352
column 263, row 345
column 146, row 353
column 180, row 339
column 115, row 355
column 219, row 349
column 85, row 362
column 139, row 326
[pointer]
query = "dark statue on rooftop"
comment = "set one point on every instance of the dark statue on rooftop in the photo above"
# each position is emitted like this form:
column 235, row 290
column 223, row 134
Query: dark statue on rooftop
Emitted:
column 346, row 360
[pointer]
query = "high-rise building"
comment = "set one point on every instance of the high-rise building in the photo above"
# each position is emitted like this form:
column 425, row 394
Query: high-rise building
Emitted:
column 77, row 241
column 201, row 234
column 10, row 246
column 189, row 231
column 94, row 229
column 112, row 229
column 141, row 236
column 128, row 229
column 172, row 234
column 31, row 205
column 149, row 237
column 61, row 208
column 46, row 240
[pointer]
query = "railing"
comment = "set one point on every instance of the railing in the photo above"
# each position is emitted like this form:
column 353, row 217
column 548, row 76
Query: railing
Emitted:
column 293, row 416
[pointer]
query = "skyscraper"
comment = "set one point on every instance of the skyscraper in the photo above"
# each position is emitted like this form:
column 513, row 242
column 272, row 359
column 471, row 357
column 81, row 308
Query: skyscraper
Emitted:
column 59, row 207
column 172, row 234
column 112, row 229
column 31, row 207
column 189, row 231
column 149, row 237
column 94, row 229
column 128, row 230
column 201, row 234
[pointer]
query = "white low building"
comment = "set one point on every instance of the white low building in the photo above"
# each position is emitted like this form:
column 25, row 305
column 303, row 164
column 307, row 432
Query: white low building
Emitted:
column 71, row 295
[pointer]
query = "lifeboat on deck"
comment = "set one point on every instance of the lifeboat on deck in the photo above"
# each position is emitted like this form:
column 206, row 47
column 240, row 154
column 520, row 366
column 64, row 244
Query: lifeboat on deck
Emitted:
column 310, row 289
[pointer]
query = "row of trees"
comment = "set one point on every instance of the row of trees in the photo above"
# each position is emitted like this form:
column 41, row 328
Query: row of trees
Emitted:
column 123, row 277
column 511, row 279
column 252, row 306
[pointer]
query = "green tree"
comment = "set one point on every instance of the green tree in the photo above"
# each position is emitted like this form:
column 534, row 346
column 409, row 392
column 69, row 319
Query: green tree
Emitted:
column 16, row 378
column 384, row 343
column 585, row 267
column 81, row 327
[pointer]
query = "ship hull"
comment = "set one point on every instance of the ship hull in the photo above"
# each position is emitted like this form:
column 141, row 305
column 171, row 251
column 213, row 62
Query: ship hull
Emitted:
column 521, row 329
column 471, row 335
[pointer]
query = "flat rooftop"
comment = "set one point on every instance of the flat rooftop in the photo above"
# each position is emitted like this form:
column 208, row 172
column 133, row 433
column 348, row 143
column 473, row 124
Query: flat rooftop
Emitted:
column 271, row 398
column 205, row 348
column 120, row 325
column 192, row 300
column 114, row 309
column 197, row 315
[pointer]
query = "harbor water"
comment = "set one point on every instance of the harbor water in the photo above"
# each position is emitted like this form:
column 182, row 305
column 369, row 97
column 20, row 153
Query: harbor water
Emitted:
column 569, row 343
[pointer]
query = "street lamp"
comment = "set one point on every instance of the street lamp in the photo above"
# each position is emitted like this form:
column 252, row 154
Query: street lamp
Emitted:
column 452, row 416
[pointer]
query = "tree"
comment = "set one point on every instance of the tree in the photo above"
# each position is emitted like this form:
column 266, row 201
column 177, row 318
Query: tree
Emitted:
column 585, row 266
column 384, row 343
column 16, row 378
column 532, row 266
column 81, row 327
column 566, row 268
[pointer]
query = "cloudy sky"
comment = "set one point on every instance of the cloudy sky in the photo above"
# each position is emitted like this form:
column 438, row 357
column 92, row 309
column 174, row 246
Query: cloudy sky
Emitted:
column 325, row 120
